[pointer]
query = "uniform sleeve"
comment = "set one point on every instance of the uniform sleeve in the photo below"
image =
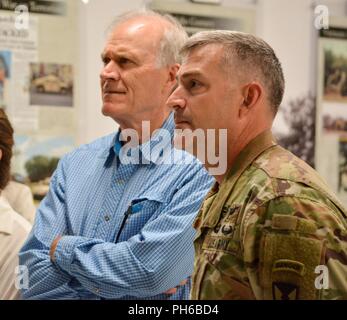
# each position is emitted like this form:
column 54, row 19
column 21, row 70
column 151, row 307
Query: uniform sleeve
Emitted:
column 296, row 248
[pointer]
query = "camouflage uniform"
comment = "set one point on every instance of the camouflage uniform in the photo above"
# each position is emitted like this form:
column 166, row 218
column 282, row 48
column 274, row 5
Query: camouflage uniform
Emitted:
column 262, row 232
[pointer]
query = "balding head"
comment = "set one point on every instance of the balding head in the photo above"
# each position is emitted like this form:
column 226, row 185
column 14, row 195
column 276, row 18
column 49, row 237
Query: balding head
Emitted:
column 140, row 66
column 172, row 35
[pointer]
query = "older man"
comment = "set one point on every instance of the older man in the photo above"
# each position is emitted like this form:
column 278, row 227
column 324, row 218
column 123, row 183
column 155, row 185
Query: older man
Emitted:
column 116, row 223
column 270, row 228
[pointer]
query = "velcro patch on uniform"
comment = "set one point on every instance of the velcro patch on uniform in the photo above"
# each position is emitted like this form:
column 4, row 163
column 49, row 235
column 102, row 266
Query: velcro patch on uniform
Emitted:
column 284, row 222
column 289, row 265
column 306, row 226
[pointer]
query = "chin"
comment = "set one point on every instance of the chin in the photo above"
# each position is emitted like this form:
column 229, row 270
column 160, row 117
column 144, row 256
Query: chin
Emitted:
column 183, row 126
column 110, row 110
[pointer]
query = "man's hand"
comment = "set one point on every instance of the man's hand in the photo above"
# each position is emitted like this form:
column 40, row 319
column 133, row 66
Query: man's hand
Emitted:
column 174, row 290
column 54, row 247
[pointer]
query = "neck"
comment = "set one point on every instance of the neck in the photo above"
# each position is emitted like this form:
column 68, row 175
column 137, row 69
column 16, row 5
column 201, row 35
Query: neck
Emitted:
column 145, row 126
column 236, row 145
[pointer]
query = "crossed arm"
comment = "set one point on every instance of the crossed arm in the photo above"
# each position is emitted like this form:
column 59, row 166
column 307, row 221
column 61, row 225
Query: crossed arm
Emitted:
column 149, row 263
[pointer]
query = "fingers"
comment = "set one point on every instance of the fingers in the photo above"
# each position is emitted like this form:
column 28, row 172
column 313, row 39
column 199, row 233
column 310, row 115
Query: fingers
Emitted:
column 174, row 290
column 171, row 291
column 183, row 283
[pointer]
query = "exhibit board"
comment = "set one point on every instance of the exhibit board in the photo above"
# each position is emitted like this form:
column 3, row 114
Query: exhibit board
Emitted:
column 331, row 116
column 200, row 17
column 38, row 87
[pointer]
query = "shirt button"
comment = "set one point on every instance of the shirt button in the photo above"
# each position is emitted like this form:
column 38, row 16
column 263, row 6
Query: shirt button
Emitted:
column 97, row 290
column 107, row 218
column 120, row 181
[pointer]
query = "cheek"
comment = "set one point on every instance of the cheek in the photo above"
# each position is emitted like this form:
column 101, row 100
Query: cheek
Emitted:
column 203, row 110
column 152, row 87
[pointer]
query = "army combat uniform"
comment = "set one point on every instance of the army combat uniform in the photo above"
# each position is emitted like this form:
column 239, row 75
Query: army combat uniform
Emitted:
column 271, row 230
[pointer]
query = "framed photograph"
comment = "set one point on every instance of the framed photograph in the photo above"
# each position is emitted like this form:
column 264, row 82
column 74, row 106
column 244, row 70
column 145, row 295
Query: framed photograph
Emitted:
column 335, row 70
column 51, row 84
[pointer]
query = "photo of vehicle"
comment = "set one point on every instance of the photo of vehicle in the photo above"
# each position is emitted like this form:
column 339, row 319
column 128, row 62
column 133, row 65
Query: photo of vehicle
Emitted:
column 51, row 85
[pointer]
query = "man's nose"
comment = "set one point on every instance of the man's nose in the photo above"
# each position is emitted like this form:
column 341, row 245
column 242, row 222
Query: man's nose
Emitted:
column 176, row 101
column 110, row 72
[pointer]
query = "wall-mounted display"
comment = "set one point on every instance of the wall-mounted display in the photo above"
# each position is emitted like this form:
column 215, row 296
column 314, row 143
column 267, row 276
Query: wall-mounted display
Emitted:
column 331, row 129
column 36, row 6
column 335, row 70
column 5, row 74
column 22, row 46
column 40, row 96
column 51, row 84
column 199, row 17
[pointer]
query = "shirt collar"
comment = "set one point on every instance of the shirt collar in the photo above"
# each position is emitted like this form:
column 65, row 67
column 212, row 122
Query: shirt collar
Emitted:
column 146, row 148
column 257, row 146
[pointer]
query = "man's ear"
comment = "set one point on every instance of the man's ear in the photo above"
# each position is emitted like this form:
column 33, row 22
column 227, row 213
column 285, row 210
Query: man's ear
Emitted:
column 251, row 94
column 173, row 71
column 172, row 79
column 0, row 154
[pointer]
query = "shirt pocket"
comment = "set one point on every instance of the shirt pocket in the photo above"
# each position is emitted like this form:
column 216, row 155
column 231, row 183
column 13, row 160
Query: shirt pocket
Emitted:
column 143, row 209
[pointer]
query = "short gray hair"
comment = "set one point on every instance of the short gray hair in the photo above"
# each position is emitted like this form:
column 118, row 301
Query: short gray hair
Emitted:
column 247, row 52
column 174, row 36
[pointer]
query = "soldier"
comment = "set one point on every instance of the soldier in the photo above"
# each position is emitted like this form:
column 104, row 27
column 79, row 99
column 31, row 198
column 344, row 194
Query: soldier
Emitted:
column 270, row 228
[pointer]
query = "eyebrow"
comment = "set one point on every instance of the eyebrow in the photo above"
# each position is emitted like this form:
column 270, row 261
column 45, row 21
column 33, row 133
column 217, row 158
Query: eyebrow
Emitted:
column 106, row 53
column 190, row 74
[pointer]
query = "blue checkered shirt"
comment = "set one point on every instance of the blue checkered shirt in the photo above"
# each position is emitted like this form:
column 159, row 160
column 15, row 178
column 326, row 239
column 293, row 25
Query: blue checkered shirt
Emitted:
column 127, row 228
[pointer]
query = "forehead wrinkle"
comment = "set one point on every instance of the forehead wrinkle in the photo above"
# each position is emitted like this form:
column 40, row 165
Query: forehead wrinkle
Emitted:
column 119, row 51
column 138, row 28
column 118, row 48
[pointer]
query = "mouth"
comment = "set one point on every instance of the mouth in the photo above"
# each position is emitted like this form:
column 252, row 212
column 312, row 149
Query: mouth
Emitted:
column 181, row 124
column 113, row 92
column 180, row 120
column 109, row 89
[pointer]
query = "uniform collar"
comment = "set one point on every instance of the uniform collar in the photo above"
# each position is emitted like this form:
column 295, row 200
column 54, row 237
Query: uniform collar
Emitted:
column 6, row 216
column 253, row 149
column 257, row 146
column 146, row 149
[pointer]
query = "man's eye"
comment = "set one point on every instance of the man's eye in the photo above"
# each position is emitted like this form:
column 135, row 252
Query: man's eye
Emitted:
column 105, row 61
column 123, row 60
column 193, row 84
